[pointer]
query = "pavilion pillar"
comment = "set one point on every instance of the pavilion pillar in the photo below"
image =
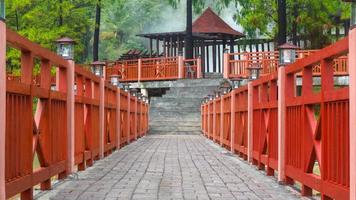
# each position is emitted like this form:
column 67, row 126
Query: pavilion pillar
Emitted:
column 214, row 56
column 171, row 46
column 157, row 47
column 150, row 47
column 219, row 58
column 202, row 47
column 164, row 47
column 2, row 107
column 352, row 88
column 207, row 58
column 232, row 45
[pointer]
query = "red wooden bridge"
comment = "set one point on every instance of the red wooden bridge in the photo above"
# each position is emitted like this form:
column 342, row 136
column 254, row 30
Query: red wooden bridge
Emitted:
column 305, row 137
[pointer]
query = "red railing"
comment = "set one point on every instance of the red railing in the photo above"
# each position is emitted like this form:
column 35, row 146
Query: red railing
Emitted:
column 302, row 132
column 154, row 69
column 51, row 126
column 268, row 61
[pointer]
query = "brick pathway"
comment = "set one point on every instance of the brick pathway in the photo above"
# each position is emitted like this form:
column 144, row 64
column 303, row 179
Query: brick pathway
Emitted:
column 170, row 167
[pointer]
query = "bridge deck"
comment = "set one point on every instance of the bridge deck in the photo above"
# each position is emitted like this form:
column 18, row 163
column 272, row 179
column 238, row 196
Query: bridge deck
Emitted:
column 170, row 167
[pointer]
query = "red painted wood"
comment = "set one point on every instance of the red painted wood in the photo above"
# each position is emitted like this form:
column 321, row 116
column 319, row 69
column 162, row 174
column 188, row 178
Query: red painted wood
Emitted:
column 36, row 119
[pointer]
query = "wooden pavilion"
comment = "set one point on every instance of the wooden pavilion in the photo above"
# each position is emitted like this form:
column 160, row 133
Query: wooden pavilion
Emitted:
column 211, row 36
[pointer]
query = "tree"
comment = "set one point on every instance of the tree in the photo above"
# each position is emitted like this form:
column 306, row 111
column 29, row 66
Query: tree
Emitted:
column 189, row 35
column 306, row 19
column 97, row 31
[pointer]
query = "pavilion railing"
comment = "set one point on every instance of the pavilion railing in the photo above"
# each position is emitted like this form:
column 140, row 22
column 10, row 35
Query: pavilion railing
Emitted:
column 302, row 133
column 154, row 69
column 49, row 127
column 236, row 65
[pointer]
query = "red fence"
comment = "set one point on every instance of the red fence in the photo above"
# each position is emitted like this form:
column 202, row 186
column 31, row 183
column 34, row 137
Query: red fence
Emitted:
column 154, row 69
column 237, row 63
column 300, row 132
column 75, row 121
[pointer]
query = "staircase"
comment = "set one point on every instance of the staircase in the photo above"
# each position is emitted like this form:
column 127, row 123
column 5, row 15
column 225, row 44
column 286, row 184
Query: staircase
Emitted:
column 178, row 111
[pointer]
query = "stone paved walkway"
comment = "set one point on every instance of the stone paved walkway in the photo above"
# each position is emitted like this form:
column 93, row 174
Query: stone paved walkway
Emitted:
column 170, row 167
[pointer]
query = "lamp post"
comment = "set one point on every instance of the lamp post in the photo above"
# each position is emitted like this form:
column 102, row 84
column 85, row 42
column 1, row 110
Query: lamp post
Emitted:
column 237, row 82
column 115, row 80
column 2, row 10
column 254, row 71
column 211, row 97
column 134, row 92
column 98, row 68
column 225, row 88
column 126, row 87
column 65, row 48
column 287, row 54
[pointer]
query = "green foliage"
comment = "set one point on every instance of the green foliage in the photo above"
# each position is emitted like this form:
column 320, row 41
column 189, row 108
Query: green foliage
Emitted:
column 122, row 20
column 314, row 18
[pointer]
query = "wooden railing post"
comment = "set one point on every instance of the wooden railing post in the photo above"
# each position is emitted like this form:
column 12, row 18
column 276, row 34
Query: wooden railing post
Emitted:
column 101, row 117
column 136, row 118
column 2, row 107
column 199, row 69
column 128, row 117
column 222, row 120
column 139, row 72
column 352, row 72
column 180, row 67
column 281, row 124
column 71, row 116
column 118, row 118
column 250, row 123
column 232, row 129
column 214, row 120
column 226, row 66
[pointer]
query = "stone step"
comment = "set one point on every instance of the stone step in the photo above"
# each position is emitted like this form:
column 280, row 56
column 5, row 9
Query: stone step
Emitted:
column 171, row 127
column 176, row 123
column 174, row 132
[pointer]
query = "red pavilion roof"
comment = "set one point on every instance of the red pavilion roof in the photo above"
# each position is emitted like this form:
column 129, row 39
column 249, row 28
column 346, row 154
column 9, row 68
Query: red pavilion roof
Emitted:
column 210, row 22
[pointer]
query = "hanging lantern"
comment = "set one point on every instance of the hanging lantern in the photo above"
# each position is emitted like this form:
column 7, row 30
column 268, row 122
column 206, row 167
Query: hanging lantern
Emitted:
column 254, row 71
column 65, row 48
column 98, row 68
column 2, row 10
column 287, row 54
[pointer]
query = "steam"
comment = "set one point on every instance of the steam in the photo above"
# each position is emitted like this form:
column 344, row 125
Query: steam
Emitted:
column 174, row 20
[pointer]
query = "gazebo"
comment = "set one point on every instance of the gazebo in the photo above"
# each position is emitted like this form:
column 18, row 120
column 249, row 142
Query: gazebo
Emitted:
column 211, row 36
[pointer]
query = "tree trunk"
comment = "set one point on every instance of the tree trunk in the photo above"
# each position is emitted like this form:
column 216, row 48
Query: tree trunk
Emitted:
column 282, row 22
column 97, row 31
column 189, row 31
column 60, row 22
column 295, row 23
